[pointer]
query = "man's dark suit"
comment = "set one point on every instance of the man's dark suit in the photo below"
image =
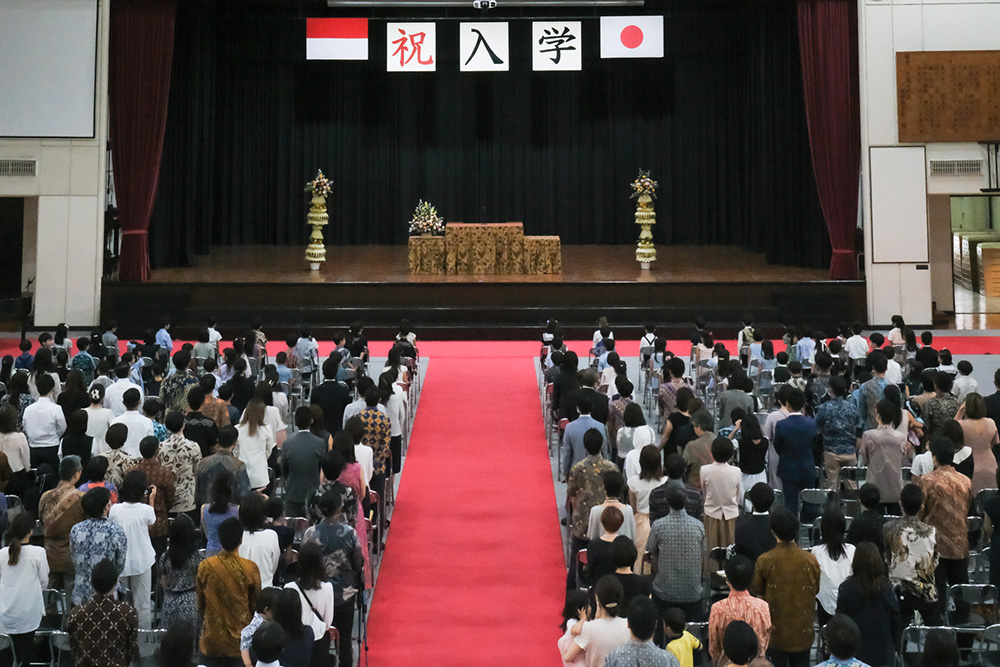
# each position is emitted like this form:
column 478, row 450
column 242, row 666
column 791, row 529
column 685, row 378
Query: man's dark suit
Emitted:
column 993, row 406
column 600, row 402
column 333, row 397
column 753, row 535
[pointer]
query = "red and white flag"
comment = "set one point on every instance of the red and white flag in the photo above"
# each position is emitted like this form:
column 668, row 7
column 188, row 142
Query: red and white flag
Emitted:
column 631, row 36
column 336, row 39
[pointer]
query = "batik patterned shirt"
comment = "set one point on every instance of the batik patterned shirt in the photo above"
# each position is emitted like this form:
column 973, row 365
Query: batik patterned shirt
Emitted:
column 937, row 411
column 788, row 579
column 174, row 390
column 947, row 496
column 616, row 417
column 181, row 456
column 342, row 556
column 118, row 464
column 103, row 633
column 59, row 509
column 667, row 396
column 349, row 502
column 869, row 394
column 90, row 542
column 160, row 431
column 635, row 653
column 163, row 479
column 836, row 421
column 227, row 592
column 378, row 432
column 739, row 606
column 913, row 558
column 586, row 490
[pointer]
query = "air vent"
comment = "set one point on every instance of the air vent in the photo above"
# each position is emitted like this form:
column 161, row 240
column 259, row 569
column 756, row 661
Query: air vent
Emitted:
column 18, row 167
column 956, row 167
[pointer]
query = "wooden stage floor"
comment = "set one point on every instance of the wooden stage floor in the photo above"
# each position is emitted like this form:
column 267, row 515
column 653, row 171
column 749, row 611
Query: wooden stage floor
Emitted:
column 387, row 264
column 371, row 284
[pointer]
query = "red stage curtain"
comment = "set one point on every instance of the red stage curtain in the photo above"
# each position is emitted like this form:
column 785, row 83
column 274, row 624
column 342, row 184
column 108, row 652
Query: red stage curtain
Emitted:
column 141, row 52
column 828, row 43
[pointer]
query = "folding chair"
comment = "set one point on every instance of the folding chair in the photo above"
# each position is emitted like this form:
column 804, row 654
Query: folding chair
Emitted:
column 982, row 598
column 855, row 475
column 980, row 573
column 60, row 649
column 911, row 646
column 334, row 634
column 646, row 365
column 580, row 563
column 149, row 646
column 984, row 496
column 56, row 609
column 6, row 644
column 975, row 528
column 298, row 524
column 700, row 632
column 988, row 654
column 812, row 498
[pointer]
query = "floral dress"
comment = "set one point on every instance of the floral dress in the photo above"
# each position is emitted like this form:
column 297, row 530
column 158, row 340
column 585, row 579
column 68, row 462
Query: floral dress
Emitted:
column 180, row 604
column 352, row 477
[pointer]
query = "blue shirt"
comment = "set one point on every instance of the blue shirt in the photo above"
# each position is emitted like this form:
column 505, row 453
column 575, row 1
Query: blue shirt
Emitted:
column 24, row 361
column 868, row 396
column 164, row 340
column 90, row 542
column 836, row 421
column 573, row 449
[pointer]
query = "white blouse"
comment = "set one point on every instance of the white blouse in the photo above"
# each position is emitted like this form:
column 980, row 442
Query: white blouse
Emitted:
column 253, row 450
column 21, row 605
column 832, row 573
column 15, row 446
column 262, row 548
column 98, row 420
column 322, row 600
column 135, row 519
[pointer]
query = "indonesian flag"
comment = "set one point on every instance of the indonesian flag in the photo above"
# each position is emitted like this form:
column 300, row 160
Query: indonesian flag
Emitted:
column 336, row 39
column 631, row 36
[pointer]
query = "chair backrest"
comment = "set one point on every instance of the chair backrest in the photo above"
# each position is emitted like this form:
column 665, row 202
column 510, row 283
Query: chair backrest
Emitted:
column 975, row 527
column 984, row 594
column 985, row 495
column 149, row 642
column 14, row 502
column 988, row 653
column 912, row 644
column 854, row 473
column 821, row 497
column 6, row 644
column 299, row 525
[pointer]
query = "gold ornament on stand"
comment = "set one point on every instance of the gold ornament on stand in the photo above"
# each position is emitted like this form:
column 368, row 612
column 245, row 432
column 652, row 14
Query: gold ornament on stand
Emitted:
column 317, row 218
column 644, row 190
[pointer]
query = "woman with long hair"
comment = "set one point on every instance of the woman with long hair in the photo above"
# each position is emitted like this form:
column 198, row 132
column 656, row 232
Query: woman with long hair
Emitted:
column 264, row 390
column 317, row 599
column 671, row 441
column 318, row 425
column 635, row 434
column 24, row 572
column 639, row 487
column 868, row 599
column 14, row 444
column 178, row 574
column 44, row 363
column 260, row 543
column 981, row 435
column 6, row 369
column 752, row 450
column 834, row 555
column 256, row 441
column 75, row 440
column 606, row 631
column 299, row 638
column 353, row 477
column 74, row 394
column 18, row 396
column 221, row 506
column 911, row 427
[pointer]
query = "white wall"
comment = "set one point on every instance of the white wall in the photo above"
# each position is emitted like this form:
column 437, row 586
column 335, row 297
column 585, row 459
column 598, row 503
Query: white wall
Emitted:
column 64, row 215
column 885, row 28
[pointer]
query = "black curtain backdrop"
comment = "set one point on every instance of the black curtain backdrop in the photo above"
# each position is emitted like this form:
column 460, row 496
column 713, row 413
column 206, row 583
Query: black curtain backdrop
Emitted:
column 719, row 121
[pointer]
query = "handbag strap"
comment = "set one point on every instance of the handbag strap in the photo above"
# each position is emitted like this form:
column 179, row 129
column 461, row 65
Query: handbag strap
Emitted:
column 309, row 602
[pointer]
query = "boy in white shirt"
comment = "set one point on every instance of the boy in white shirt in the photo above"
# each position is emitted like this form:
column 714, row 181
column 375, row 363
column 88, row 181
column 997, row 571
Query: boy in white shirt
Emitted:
column 964, row 384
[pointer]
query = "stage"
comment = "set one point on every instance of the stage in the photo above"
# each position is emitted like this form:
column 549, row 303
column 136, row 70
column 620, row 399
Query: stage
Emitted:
column 371, row 284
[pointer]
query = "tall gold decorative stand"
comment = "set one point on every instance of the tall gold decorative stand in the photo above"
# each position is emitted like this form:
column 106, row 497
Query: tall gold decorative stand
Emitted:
column 645, row 252
column 317, row 218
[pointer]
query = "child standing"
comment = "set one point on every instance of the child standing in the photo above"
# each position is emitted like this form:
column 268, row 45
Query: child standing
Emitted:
column 680, row 642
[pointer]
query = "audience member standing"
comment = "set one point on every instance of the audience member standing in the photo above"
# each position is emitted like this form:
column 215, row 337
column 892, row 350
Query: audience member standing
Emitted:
column 44, row 425
column 942, row 407
column 793, row 442
column 138, row 424
column 584, row 490
column 227, row 588
column 640, row 650
column 787, row 578
column 723, row 487
column 318, row 601
column 650, row 476
column 868, row 599
column 103, row 632
column 836, row 422
column 698, row 452
column 256, row 440
column 300, row 459
column 114, row 396
column 947, row 496
column 59, row 510
column 332, row 396
column 981, row 435
column 834, row 556
column 24, row 572
column 597, row 638
column 677, row 545
column 136, row 517
column 178, row 569
column 911, row 546
column 95, row 539
column 377, row 434
column 198, row 426
column 181, row 457
column 160, row 477
column 753, row 534
column 260, row 544
column 573, row 446
column 885, row 450
column 738, row 606
column 224, row 458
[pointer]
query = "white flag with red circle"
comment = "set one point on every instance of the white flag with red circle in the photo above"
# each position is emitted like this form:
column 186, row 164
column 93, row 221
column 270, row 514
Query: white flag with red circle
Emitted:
column 631, row 36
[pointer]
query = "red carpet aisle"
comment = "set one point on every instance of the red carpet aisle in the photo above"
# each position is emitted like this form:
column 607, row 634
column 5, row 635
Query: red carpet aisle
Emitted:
column 473, row 574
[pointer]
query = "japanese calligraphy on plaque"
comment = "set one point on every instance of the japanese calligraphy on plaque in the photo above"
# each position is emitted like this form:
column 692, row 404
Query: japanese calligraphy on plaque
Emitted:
column 555, row 46
column 411, row 47
column 948, row 95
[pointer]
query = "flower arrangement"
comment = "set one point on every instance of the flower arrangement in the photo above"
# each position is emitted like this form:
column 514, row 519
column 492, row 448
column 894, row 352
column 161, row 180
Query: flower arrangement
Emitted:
column 644, row 185
column 320, row 185
column 426, row 219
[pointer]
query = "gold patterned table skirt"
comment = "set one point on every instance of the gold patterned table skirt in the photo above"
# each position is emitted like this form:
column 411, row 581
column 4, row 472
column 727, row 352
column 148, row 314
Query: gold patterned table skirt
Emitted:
column 542, row 254
column 485, row 249
column 426, row 254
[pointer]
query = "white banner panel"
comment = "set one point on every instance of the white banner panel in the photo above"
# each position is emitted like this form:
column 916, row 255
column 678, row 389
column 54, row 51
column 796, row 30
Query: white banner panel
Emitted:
column 411, row 47
column 483, row 47
column 631, row 36
column 556, row 46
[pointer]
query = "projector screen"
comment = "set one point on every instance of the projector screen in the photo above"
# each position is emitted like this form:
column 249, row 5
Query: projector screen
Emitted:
column 48, row 61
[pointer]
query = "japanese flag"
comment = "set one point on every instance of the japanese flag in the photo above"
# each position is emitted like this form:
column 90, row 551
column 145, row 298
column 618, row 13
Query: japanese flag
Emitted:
column 631, row 36
column 336, row 39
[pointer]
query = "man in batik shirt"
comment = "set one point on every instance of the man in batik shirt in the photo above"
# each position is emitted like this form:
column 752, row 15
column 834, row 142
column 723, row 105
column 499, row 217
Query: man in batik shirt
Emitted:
column 174, row 389
column 93, row 540
column 837, row 421
column 103, row 631
column 59, row 510
column 181, row 456
column 585, row 490
column 911, row 546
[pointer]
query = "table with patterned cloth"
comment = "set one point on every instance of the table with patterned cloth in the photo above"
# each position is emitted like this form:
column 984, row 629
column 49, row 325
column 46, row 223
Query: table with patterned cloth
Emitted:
column 542, row 254
column 470, row 248
column 510, row 247
column 426, row 254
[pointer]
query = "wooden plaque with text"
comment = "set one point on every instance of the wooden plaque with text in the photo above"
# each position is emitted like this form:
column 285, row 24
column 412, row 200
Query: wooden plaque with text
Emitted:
column 948, row 95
